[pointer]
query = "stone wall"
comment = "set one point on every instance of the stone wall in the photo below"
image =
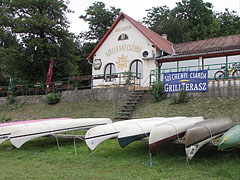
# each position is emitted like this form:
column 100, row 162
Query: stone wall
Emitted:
column 215, row 88
column 99, row 94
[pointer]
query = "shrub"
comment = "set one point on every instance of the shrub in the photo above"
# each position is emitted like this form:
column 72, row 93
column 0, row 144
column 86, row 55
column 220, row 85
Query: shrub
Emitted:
column 181, row 98
column 157, row 91
column 53, row 98
column 5, row 119
column 10, row 98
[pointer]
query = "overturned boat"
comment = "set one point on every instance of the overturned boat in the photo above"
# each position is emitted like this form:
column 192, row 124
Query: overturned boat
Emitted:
column 29, row 131
column 230, row 139
column 139, row 130
column 169, row 131
column 204, row 132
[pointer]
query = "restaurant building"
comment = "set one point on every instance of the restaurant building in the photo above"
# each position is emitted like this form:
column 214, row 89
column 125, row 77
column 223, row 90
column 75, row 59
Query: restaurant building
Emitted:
column 128, row 47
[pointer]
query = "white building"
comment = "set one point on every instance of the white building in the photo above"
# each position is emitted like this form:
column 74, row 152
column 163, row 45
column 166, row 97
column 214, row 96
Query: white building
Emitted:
column 128, row 46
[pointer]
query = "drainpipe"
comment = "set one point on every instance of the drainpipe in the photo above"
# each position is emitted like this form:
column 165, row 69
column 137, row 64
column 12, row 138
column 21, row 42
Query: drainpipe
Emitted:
column 89, row 62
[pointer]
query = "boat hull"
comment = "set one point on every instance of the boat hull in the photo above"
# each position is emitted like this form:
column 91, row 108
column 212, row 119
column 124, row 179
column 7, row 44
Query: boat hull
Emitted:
column 205, row 132
column 169, row 131
column 97, row 135
column 230, row 139
column 140, row 130
column 35, row 130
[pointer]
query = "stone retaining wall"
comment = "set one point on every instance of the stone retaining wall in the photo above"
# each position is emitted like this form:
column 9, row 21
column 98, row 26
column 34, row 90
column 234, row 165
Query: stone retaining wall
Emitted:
column 99, row 94
column 215, row 88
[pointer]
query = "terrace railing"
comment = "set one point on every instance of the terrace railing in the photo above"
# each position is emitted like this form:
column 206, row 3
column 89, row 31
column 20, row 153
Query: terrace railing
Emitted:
column 215, row 71
column 75, row 83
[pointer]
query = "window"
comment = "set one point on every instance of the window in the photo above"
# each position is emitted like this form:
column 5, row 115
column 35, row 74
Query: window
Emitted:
column 123, row 37
column 137, row 68
column 110, row 72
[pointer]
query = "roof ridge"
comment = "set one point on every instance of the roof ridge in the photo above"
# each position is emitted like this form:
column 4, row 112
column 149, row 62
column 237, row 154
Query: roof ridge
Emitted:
column 147, row 29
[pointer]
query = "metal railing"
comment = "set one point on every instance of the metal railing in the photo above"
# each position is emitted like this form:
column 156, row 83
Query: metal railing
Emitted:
column 74, row 83
column 215, row 71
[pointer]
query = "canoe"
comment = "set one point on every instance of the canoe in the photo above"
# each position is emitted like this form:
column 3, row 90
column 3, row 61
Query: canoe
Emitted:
column 35, row 130
column 139, row 130
column 169, row 131
column 6, row 129
column 230, row 139
column 98, row 134
column 204, row 132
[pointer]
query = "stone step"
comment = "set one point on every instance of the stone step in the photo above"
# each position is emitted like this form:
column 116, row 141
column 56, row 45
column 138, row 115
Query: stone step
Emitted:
column 127, row 113
column 122, row 118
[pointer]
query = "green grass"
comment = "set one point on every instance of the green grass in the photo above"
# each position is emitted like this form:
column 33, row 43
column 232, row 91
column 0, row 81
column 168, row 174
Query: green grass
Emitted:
column 208, row 107
column 41, row 159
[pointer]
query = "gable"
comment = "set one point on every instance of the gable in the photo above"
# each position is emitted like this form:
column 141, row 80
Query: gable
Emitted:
column 159, row 42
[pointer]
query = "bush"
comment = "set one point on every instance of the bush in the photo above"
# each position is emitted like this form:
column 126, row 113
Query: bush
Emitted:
column 53, row 98
column 182, row 98
column 10, row 98
column 5, row 119
column 157, row 91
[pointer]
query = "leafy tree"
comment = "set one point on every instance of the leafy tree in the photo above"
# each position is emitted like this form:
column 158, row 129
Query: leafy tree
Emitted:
column 229, row 23
column 10, row 48
column 99, row 19
column 43, row 29
column 161, row 21
column 198, row 18
column 191, row 20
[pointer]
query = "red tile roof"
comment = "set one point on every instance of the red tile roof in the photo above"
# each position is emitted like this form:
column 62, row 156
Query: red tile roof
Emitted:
column 209, row 45
column 156, row 39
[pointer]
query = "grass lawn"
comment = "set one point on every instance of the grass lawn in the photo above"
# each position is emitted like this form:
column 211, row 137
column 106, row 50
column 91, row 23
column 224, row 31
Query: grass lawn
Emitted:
column 41, row 159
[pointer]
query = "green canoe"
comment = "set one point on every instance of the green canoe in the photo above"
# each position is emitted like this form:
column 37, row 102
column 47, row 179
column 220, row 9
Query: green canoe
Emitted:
column 230, row 139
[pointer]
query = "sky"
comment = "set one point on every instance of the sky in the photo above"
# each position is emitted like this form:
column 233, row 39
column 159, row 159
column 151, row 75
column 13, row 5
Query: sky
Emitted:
column 136, row 9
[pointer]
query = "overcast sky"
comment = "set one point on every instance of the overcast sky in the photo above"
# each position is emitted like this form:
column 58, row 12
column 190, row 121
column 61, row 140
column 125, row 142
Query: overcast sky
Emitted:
column 135, row 9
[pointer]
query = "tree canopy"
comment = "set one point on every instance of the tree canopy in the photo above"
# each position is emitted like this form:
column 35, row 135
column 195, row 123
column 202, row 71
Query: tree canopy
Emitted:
column 42, row 29
column 33, row 31
column 99, row 19
column 191, row 20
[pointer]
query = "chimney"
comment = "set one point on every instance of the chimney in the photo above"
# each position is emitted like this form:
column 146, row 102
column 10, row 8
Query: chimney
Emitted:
column 164, row 36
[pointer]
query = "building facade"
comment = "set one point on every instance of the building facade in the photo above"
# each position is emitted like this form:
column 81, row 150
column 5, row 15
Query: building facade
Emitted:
column 129, row 49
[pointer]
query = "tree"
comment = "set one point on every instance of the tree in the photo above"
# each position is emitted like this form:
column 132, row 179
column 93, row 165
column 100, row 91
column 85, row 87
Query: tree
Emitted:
column 43, row 29
column 99, row 20
column 198, row 19
column 162, row 21
column 10, row 48
column 229, row 23
column 191, row 20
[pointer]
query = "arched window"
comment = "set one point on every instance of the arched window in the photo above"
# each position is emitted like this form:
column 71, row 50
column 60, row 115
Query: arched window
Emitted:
column 123, row 37
column 137, row 68
column 110, row 72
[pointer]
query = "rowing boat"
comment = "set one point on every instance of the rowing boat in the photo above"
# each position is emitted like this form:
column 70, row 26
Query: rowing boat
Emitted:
column 139, row 130
column 230, row 139
column 6, row 129
column 169, row 131
column 204, row 132
column 39, row 129
column 98, row 134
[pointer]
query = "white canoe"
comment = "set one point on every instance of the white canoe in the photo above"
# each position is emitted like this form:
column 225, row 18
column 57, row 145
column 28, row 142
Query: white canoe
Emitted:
column 169, row 131
column 98, row 134
column 34, row 130
column 204, row 132
column 6, row 129
column 139, row 130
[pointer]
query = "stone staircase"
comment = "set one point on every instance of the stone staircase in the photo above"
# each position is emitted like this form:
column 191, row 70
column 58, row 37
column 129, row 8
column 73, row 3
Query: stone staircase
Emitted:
column 124, row 110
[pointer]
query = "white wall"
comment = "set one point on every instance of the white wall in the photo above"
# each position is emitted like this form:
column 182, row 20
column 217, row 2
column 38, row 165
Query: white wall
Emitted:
column 123, row 53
